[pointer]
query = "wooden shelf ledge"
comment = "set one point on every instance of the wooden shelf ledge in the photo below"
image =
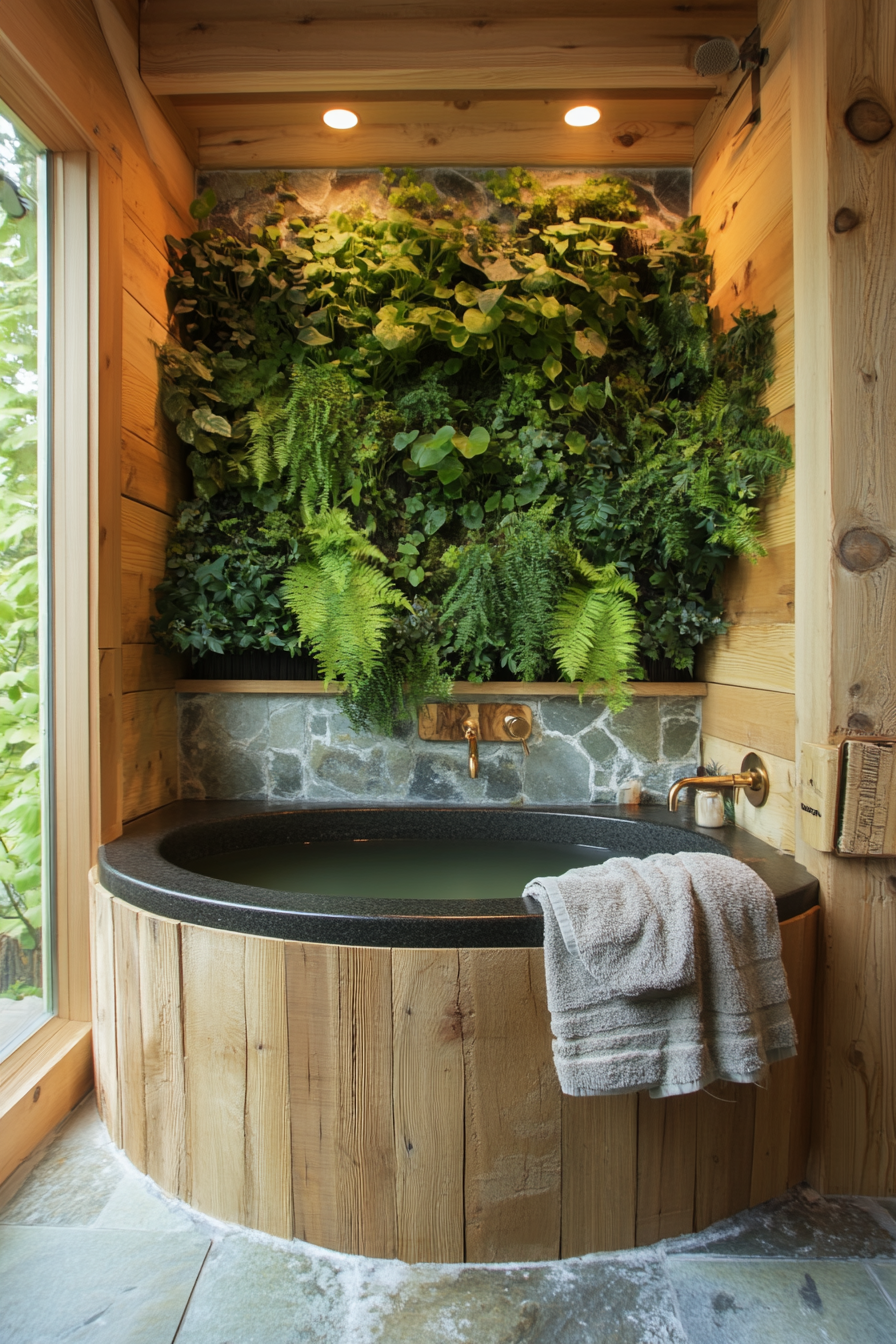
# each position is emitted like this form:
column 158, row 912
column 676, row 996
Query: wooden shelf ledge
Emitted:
column 465, row 689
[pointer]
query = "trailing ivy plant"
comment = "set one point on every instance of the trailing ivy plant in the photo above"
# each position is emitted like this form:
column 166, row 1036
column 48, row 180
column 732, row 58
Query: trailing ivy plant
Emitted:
column 523, row 438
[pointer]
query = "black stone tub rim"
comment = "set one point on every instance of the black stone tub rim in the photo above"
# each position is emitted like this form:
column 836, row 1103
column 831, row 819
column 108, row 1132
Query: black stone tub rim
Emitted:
column 141, row 869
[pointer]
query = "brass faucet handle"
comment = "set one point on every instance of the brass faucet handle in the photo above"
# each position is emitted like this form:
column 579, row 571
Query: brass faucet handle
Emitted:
column 518, row 729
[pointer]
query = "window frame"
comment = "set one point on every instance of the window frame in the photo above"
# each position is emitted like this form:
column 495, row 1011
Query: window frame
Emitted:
column 52, row 1068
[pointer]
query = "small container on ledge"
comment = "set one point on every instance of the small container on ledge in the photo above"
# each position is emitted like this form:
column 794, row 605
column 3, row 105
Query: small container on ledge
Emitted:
column 709, row 808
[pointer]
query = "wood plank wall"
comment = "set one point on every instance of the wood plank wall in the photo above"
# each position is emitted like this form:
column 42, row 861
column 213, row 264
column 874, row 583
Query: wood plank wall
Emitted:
column 60, row 77
column 743, row 192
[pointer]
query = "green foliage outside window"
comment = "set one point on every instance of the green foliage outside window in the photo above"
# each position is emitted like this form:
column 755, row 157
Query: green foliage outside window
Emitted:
column 528, row 437
column 20, row 812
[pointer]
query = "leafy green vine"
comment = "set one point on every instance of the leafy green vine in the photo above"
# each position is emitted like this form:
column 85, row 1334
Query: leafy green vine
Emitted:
column 523, row 438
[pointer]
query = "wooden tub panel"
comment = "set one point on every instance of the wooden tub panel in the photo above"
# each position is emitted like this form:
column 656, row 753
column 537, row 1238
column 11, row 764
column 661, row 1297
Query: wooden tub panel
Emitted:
column 667, row 1163
column 365, row 1140
column 513, row 1120
column 600, row 1157
column 312, row 1013
column 396, row 1102
column 428, row 1104
column 268, row 1157
column 161, row 1023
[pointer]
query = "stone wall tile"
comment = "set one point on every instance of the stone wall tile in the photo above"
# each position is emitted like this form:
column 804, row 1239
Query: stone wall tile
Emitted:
column 292, row 747
column 286, row 777
column 286, row 730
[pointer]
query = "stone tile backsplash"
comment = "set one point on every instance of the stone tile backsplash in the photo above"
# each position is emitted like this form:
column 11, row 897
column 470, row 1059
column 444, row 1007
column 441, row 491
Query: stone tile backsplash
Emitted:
column 290, row 748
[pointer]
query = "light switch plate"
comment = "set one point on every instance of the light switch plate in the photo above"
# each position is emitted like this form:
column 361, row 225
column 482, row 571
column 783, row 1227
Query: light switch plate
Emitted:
column 818, row 794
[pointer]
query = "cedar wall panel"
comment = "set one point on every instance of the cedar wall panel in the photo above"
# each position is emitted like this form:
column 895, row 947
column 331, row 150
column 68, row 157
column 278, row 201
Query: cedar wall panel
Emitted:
column 743, row 192
column 152, row 480
column 59, row 75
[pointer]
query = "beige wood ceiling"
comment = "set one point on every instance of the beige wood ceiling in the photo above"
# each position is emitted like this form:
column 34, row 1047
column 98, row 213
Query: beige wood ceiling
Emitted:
column 466, row 83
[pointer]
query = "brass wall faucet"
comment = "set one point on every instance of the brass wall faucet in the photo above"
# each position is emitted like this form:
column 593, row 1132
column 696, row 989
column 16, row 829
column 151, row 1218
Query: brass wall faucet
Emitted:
column 752, row 779
column 471, row 727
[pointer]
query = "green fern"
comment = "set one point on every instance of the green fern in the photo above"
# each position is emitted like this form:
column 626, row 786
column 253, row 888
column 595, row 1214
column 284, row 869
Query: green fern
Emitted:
column 531, row 580
column 306, row 435
column 340, row 599
column 595, row 633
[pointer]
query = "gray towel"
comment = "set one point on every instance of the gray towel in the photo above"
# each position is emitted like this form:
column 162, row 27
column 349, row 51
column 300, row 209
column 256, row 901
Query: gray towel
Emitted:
column 663, row 973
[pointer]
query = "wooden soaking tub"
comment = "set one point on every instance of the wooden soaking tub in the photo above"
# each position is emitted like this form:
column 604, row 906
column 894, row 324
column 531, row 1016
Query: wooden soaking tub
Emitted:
column 388, row 1099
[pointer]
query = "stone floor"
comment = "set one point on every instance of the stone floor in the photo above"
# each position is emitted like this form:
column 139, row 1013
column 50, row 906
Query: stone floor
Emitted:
column 89, row 1251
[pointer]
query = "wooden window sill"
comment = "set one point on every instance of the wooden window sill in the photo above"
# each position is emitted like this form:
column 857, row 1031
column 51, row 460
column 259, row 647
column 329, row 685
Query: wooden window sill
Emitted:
column 508, row 689
column 39, row 1084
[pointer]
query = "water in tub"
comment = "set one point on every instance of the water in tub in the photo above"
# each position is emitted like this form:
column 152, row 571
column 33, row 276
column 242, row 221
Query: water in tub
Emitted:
column 436, row 870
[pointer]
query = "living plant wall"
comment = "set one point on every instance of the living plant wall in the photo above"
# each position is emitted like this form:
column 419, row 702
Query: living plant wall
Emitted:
column 429, row 447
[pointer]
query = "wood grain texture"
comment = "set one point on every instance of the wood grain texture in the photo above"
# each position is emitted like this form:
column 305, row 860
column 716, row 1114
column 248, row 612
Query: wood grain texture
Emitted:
column 149, row 749
column 781, row 1133
column 725, row 1119
column 761, row 656
column 129, row 1032
column 639, row 689
column 146, row 667
column 774, row 822
column 145, row 268
column 667, row 1157
column 104, row 1031
column 800, row 952
column 109, row 316
column 39, row 1085
column 600, row 1173
column 249, row 54
column 365, row 1143
column 161, row 1020
column 428, row 1104
column 512, row 1175
column 268, row 1197
column 753, row 720
column 144, row 536
column 736, row 16
column 214, row 1015
column 437, row 1132
column 312, row 1009
column 110, row 725
column 625, row 140
column 151, row 473
column 761, row 592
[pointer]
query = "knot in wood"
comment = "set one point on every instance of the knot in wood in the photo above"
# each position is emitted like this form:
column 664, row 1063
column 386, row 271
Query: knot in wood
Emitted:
column 861, row 549
column 868, row 121
column 845, row 220
column 860, row 724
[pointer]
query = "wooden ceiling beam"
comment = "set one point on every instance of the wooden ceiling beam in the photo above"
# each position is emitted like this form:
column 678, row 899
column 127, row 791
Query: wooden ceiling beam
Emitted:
column 259, row 55
column 625, row 140
column 736, row 17
column 307, row 112
column 219, row 111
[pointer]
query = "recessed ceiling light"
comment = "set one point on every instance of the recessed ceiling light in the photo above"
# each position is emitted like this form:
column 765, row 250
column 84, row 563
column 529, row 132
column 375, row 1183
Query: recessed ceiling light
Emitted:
column 582, row 116
column 340, row 119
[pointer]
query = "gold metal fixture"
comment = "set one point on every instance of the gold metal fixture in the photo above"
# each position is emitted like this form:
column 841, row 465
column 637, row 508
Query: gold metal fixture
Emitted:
column 752, row 780
column 518, row 729
column 475, row 724
column 471, row 727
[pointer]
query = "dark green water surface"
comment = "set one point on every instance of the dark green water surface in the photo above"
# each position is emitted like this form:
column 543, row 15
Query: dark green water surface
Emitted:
column 410, row 870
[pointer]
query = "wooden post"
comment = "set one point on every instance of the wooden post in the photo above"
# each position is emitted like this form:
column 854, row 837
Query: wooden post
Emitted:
column 844, row 164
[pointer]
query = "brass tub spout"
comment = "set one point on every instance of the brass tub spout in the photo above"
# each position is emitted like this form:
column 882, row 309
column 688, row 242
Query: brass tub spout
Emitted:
column 469, row 727
column 752, row 778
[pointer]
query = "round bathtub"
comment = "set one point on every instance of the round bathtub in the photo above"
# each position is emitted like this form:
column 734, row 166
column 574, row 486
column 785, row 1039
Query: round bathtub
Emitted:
column 374, row 1074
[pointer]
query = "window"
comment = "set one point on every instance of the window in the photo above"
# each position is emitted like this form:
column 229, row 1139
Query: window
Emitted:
column 26, row 897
